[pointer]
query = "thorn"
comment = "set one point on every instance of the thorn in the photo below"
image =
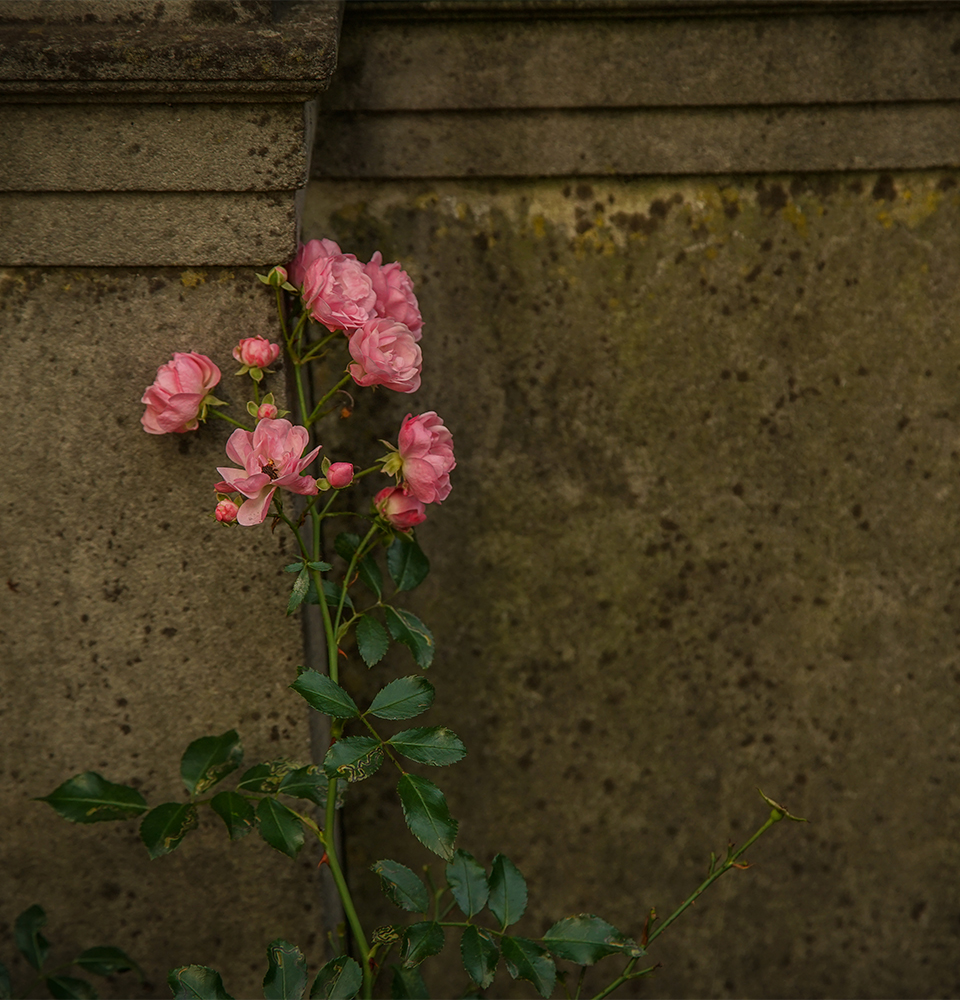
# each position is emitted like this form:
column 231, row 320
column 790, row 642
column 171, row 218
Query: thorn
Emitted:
column 325, row 860
column 372, row 964
column 742, row 865
column 341, row 652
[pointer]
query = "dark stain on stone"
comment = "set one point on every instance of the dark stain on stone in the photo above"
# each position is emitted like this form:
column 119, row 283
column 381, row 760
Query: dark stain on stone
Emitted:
column 766, row 246
column 169, row 631
column 771, row 199
column 902, row 423
column 635, row 222
column 584, row 192
column 731, row 209
column 668, row 525
column 737, row 489
column 862, row 371
column 743, row 376
column 945, row 183
column 755, row 273
column 884, row 189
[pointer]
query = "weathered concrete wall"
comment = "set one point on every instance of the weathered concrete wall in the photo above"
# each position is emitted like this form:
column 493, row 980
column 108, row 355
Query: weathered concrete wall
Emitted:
column 703, row 529
column 151, row 161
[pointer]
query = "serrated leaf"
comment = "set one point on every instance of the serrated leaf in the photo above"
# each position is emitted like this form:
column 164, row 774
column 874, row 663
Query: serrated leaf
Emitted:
column 407, row 984
column 106, row 960
column 468, row 883
column 279, row 827
column 408, row 629
column 346, row 543
column 420, row 941
column 266, row 777
column 295, row 567
column 372, row 640
column 210, row 759
column 508, row 891
column 6, row 987
column 306, row 783
column 332, row 593
column 26, row 933
column 403, row 698
column 427, row 815
column 163, row 828
column 370, row 575
column 339, row 979
column 434, row 745
column 90, row 798
column 299, row 592
column 480, row 955
column 70, row 988
column 406, row 563
column 320, row 567
column 402, row 886
column 353, row 758
column 286, row 977
column 236, row 812
column 196, row 982
column 325, row 695
column 527, row 960
column 585, row 939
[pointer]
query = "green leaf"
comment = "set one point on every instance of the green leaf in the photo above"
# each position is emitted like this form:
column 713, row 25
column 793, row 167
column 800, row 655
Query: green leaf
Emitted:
column 468, row 883
column 89, row 798
column 339, row 979
column 300, row 588
column 402, row 886
column 346, row 543
column 196, row 982
column 306, row 783
column 372, row 640
column 408, row 984
column 527, row 960
column 325, row 695
column 266, row 777
column 403, row 698
column 585, row 939
column 320, row 567
column 279, row 827
column 353, row 758
column 406, row 563
column 435, row 745
column 106, row 961
column 508, row 891
column 209, row 760
column 286, row 978
column 332, row 592
column 70, row 988
column 164, row 828
column 420, row 941
column 370, row 575
column 480, row 955
column 427, row 815
column 236, row 812
column 409, row 630
column 293, row 567
column 6, row 987
column 26, row 933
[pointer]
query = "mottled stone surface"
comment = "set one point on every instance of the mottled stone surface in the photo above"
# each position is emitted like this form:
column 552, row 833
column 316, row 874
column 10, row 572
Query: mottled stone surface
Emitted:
column 132, row 623
column 703, row 537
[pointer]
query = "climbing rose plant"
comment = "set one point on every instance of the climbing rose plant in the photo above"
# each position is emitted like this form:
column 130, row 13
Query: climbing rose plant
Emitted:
column 364, row 321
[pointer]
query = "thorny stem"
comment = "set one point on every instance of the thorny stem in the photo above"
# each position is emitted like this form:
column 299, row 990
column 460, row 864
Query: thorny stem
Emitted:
column 316, row 410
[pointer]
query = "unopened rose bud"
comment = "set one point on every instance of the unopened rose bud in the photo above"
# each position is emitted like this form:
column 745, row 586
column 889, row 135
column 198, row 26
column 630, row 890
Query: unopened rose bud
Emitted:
column 256, row 352
column 340, row 474
column 267, row 411
column 277, row 277
column 399, row 510
column 227, row 511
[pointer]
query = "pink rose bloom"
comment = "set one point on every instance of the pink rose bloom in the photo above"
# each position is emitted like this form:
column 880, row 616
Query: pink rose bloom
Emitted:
column 386, row 354
column 266, row 411
column 256, row 352
column 226, row 511
column 399, row 510
column 175, row 399
column 394, row 291
column 307, row 254
column 271, row 457
column 338, row 293
column 426, row 454
column 340, row 474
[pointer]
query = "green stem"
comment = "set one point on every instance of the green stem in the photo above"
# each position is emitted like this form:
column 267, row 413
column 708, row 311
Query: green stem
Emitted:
column 355, row 558
column 316, row 410
column 229, row 420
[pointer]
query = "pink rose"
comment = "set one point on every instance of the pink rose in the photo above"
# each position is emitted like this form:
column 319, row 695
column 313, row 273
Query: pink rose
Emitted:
column 271, row 457
column 394, row 291
column 399, row 510
column 386, row 354
column 267, row 411
column 426, row 456
column 340, row 474
column 307, row 254
column 176, row 398
column 256, row 352
column 226, row 511
column 338, row 293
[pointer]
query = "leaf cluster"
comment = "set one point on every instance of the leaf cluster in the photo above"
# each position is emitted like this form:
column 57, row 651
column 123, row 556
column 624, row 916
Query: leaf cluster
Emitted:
column 104, row 960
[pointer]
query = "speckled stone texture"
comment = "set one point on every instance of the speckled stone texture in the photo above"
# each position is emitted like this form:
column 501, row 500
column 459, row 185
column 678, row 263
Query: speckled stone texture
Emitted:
column 702, row 538
column 132, row 623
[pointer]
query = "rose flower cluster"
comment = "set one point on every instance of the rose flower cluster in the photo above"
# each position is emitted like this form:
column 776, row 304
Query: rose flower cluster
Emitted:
column 374, row 305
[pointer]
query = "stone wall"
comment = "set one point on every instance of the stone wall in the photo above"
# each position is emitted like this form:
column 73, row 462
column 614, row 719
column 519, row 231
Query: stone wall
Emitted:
column 690, row 288
column 152, row 157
